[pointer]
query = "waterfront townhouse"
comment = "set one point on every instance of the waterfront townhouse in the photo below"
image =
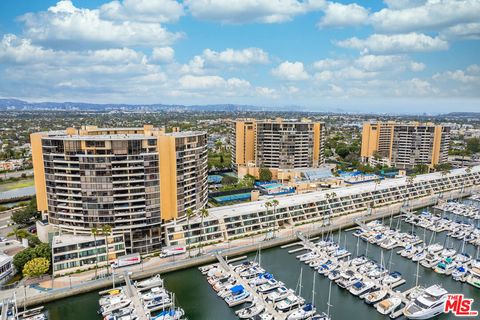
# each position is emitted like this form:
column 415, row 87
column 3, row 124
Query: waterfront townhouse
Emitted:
column 247, row 219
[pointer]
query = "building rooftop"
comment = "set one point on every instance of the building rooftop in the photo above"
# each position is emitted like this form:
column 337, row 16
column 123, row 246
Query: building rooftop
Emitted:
column 67, row 239
column 299, row 199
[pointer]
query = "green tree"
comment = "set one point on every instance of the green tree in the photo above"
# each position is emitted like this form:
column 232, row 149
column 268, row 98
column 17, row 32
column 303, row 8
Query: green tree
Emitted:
column 33, row 240
column 18, row 233
column 473, row 145
column 21, row 258
column 420, row 168
column 203, row 214
column 43, row 250
column 106, row 232
column 229, row 180
column 265, row 174
column 248, row 181
column 342, row 150
column 95, row 232
column 22, row 217
column 36, row 267
column 189, row 214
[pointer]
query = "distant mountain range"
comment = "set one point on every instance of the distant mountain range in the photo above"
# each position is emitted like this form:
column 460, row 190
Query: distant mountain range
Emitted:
column 19, row 105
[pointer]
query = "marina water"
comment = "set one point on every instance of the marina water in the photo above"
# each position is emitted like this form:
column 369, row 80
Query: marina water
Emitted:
column 200, row 301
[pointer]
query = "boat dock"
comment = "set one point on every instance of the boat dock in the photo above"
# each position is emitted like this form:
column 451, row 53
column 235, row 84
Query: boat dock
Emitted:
column 132, row 294
column 378, row 284
column 260, row 300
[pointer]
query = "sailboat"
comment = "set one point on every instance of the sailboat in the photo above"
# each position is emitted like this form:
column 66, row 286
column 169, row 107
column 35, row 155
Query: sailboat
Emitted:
column 323, row 315
column 307, row 310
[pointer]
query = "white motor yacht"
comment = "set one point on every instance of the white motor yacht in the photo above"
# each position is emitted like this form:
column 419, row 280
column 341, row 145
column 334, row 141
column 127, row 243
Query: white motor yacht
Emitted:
column 278, row 294
column 386, row 306
column 172, row 314
column 375, row 296
column 427, row 305
column 361, row 287
column 289, row 303
column 271, row 285
column 156, row 281
column 155, row 292
column 459, row 273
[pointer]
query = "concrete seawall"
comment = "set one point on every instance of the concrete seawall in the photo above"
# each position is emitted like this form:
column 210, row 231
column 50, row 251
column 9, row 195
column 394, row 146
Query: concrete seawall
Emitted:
column 97, row 285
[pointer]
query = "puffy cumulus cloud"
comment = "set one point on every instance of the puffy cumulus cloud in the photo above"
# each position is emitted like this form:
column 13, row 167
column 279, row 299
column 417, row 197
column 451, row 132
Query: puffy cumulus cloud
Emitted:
column 416, row 87
column 208, row 82
column 470, row 75
column 341, row 15
column 397, row 43
column 251, row 11
column 469, row 31
column 241, row 57
column 162, row 55
column 143, row 10
column 292, row 71
column 431, row 15
column 267, row 92
column 195, row 66
column 65, row 25
column 388, row 63
column 17, row 50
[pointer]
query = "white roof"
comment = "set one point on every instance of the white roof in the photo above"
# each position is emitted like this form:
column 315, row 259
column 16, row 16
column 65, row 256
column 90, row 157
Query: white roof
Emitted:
column 299, row 199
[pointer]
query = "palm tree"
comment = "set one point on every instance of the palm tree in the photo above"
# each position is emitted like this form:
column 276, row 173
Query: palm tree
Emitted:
column 18, row 233
column 268, row 204
column 203, row 215
column 106, row 232
column 189, row 213
column 95, row 232
column 274, row 204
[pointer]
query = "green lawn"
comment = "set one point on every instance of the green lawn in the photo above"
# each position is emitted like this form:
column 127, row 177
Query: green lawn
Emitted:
column 17, row 184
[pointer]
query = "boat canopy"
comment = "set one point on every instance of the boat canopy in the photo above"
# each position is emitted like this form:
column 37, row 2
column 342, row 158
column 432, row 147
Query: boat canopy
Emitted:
column 308, row 307
column 237, row 289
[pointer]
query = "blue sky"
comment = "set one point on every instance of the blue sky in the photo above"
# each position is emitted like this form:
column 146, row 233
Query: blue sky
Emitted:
column 397, row 56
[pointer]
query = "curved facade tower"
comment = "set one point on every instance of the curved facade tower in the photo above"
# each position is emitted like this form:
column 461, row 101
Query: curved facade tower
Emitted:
column 126, row 178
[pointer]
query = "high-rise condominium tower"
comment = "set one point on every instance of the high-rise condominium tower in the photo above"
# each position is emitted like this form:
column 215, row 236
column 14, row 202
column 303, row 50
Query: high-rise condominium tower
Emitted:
column 279, row 144
column 131, row 179
column 404, row 145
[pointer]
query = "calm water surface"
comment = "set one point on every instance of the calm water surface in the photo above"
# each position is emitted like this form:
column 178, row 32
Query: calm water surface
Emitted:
column 200, row 302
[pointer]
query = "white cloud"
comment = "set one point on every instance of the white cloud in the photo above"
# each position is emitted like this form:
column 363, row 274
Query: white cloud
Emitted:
column 208, row 82
column 327, row 64
column 251, row 11
column 64, row 25
column 195, row 66
column 292, row 71
column 467, row 76
column 432, row 15
column 163, row 54
column 341, row 15
column 417, row 66
column 398, row 43
column 324, row 76
column 470, row 31
column 241, row 57
column 267, row 92
column 142, row 10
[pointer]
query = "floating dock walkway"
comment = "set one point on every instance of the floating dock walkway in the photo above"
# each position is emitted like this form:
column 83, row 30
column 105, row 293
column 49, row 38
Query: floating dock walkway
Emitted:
column 259, row 299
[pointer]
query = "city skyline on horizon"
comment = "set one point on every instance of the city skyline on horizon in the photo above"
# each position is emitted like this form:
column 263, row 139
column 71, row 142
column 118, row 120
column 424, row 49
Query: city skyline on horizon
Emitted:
column 397, row 56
